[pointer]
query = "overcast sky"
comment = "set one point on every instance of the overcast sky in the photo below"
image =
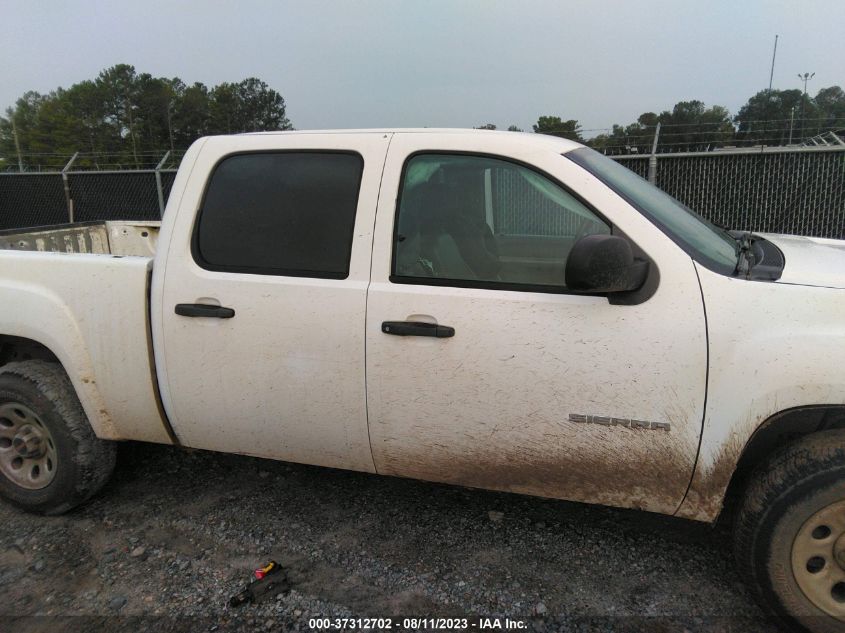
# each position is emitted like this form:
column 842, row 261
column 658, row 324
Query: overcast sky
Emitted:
column 436, row 63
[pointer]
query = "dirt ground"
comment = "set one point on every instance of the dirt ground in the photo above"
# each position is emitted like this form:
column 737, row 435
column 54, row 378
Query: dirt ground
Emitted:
column 176, row 533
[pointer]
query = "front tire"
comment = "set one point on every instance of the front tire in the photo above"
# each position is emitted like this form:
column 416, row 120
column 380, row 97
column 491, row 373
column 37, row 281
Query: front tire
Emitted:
column 789, row 536
column 50, row 459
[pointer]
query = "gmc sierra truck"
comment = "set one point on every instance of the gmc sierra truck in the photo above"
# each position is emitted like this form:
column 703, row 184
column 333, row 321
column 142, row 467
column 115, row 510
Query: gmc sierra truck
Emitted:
column 506, row 311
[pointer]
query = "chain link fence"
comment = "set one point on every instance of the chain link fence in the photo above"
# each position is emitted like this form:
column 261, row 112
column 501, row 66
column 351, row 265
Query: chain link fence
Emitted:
column 128, row 195
column 42, row 198
column 780, row 190
column 793, row 191
column 32, row 199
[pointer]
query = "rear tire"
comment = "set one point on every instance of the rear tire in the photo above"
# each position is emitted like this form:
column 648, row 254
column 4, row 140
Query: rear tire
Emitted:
column 789, row 535
column 50, row 459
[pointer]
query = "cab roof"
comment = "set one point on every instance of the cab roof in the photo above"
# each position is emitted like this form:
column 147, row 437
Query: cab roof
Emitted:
column 561, row 145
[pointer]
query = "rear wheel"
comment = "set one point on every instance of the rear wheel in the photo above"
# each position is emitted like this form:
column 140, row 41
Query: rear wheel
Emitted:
column 790, row 533
column 50, row 459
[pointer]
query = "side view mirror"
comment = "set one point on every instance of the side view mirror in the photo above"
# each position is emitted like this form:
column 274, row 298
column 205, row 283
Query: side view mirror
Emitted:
column 604, row 263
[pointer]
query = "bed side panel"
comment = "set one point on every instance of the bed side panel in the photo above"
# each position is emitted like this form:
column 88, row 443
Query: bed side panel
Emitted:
column 91, row 312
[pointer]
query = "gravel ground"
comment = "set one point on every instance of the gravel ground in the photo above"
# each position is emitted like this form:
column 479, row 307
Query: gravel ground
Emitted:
column 176, row 533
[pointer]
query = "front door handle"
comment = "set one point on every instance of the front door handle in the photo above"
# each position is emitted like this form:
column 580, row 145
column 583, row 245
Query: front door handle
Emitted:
column 204, row 310
column 417, row 328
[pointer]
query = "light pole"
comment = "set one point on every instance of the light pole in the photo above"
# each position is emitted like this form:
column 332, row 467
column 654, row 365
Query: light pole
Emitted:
column 772, row 74
column 15, row 136
column 805, row 78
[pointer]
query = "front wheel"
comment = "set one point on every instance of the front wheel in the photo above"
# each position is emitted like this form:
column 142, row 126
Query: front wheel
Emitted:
column 50, row 459
column 789, row 535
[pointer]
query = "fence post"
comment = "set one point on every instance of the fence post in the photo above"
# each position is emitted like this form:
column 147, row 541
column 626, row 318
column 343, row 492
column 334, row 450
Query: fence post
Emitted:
column 158, row 183
column 652, row 160
column 66, row 183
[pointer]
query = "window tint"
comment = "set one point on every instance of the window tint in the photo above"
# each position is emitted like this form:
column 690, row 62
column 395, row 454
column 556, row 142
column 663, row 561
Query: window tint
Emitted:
column 288, row 213
column 485, row 220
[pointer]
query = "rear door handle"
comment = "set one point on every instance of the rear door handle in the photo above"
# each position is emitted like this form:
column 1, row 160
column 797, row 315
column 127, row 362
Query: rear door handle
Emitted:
column 417, row 328
column 204, row 310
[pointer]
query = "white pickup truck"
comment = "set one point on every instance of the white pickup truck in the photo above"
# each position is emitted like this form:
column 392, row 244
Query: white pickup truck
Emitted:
column 497, row 310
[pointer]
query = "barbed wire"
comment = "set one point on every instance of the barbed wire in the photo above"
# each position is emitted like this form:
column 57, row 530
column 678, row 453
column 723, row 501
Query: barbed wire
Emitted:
column 699, row 136
column 161, row 152
column 109, row 160
column 733, row 124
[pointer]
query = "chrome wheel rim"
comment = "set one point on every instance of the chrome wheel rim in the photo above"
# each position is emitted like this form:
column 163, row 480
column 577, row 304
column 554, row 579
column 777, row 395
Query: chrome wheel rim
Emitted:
column 27, row 450
column 818, row 559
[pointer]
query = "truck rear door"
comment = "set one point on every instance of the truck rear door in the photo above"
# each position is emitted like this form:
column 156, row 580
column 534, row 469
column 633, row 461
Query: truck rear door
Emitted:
column 259, row 307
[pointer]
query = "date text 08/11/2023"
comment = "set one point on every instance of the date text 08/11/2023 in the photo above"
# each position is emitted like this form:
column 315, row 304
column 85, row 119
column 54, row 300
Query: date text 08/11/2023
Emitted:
column 417, row 624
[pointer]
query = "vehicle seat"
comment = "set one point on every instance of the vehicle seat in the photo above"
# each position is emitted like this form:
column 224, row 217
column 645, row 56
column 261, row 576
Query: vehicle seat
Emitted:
column 442, row 239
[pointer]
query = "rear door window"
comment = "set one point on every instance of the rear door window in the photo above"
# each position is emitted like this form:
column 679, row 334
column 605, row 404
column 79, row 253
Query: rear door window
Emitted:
column 280, row 213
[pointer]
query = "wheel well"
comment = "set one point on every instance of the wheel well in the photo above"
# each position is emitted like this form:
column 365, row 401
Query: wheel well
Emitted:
column 15, row 348
column 779, row 430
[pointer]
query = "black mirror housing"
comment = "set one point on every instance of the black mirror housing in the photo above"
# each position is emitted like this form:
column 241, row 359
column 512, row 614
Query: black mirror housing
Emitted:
column 604, row 264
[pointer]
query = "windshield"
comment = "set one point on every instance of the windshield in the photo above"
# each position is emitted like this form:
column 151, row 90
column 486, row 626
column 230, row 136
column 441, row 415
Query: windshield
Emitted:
column 705, row 242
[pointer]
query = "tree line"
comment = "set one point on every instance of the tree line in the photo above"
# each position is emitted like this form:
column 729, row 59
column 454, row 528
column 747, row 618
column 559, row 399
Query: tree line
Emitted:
column 128, row 116
column 770, row 117
column 132, row 117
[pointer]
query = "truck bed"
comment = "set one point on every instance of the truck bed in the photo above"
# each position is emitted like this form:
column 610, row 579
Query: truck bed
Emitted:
column 98, row 238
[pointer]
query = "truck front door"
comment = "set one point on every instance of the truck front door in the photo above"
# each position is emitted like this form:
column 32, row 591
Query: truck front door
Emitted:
column 525, row 386
column 259, row 308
